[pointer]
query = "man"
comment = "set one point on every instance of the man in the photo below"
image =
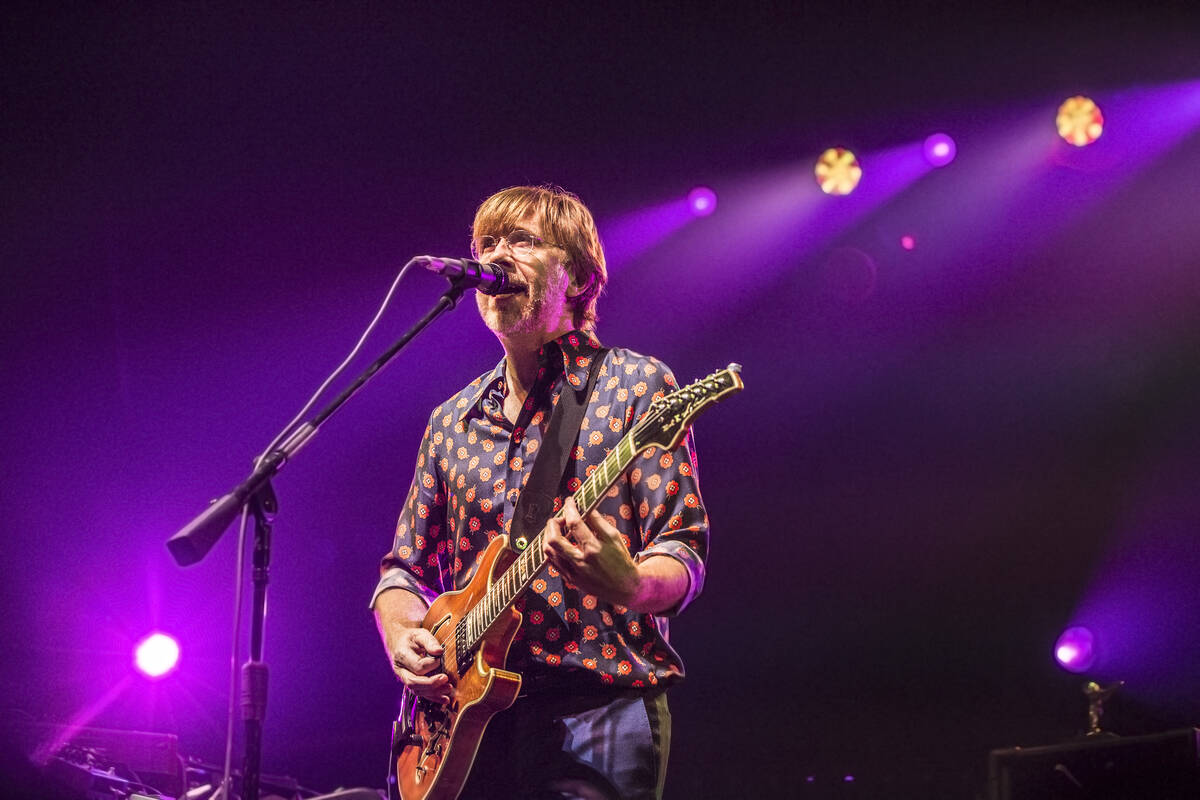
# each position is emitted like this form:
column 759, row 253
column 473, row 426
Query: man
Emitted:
column 592, row 719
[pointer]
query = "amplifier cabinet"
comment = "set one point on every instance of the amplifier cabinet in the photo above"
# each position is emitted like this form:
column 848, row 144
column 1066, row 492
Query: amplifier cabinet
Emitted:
column 1159, row 766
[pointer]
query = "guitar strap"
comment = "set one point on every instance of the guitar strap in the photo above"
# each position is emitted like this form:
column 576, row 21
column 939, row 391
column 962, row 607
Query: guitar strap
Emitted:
column 536, row 502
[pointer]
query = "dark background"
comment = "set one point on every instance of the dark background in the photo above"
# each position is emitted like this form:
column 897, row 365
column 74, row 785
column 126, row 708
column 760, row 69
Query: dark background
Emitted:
column 921, row 486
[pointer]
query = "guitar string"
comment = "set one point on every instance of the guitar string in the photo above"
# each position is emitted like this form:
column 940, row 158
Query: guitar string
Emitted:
column 492, row 604
column 476, row 628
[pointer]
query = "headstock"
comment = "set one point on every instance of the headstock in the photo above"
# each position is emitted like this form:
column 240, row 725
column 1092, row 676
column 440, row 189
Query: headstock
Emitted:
column 669, row 416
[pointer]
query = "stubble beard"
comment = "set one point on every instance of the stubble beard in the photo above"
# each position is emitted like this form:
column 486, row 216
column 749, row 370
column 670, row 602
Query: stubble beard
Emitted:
column 516, row 318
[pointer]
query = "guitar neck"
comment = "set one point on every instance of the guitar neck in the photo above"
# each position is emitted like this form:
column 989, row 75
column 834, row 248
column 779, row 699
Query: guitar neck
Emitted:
column 521, row 573
column 664, row 425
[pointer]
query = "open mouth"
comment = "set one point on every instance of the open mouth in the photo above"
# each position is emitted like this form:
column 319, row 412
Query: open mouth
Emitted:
column 515, row 286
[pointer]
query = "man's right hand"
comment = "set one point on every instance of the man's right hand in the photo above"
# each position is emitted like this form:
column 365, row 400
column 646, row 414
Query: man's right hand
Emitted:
column 417, row 662
column 416, row 655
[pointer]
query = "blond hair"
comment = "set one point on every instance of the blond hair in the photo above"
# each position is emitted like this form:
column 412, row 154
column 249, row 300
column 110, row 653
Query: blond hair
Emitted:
column 565, row 221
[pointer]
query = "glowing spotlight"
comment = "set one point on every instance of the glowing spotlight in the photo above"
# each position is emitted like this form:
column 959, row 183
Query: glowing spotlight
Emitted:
column 1075, row 649
column 939, row 150
column 1080, row 121
column 156, row 655
column 838, row 171
column 702, row 201
column 908, row 242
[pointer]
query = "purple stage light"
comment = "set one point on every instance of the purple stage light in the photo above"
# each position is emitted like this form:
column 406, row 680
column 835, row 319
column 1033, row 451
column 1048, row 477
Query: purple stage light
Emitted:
column 908, row 242
column 1075, row 649
column 156, row 655
column 939, row 150
column 702, row 201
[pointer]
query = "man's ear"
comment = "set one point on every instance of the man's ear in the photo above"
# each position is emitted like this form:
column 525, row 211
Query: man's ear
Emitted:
column 574, row 290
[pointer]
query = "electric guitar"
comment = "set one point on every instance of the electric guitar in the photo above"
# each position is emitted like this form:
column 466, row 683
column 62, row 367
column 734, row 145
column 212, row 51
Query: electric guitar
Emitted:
column 434, row 746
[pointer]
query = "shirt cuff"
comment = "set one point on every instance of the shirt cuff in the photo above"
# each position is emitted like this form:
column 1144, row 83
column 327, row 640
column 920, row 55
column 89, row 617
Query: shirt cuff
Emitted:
column 691, row 562
column 396, row 578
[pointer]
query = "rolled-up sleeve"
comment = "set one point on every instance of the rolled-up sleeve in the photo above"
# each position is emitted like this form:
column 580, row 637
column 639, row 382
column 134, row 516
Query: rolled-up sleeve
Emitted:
column 666, row 497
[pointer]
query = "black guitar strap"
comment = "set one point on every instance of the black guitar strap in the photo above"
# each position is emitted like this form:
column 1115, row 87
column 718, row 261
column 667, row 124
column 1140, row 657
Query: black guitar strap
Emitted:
column 536, row 503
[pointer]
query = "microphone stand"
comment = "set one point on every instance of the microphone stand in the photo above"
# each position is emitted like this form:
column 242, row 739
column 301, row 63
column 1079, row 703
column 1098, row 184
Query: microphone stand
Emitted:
column 192, row 542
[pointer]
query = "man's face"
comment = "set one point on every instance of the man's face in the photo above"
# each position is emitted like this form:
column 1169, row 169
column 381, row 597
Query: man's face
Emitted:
column 542, row 308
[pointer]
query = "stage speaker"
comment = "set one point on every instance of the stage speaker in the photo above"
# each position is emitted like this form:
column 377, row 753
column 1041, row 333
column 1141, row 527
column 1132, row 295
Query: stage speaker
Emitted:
column 1161, row 766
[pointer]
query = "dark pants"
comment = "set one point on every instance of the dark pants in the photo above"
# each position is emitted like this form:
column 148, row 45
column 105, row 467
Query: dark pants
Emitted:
column 611, row 747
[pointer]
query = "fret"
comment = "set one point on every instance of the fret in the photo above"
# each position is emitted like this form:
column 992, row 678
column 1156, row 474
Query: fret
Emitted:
column 536, row 558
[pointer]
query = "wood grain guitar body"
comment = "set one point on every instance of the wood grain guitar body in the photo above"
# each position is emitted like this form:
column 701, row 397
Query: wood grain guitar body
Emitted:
column 435, row 746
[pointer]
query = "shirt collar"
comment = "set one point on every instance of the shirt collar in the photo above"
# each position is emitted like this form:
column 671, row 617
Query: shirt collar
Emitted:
column 577, row 350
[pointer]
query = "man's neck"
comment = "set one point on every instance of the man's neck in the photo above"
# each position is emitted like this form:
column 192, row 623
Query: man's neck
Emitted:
column 521, row 360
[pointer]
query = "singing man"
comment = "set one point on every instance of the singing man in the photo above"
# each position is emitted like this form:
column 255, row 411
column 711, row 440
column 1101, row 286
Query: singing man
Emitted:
column 593, row 651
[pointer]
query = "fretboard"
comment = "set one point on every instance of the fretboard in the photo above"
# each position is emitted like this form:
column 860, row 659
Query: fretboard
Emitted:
column 521, row 573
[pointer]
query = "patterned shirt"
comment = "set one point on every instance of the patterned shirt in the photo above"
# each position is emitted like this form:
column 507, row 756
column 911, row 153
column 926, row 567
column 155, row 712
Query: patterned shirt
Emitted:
column 471, row 468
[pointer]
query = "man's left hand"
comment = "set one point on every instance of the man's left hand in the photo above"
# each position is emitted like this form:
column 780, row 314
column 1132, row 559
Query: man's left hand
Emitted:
column 592, row 555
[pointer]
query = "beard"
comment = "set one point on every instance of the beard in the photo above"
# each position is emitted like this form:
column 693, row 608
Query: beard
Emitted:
column 539, row 306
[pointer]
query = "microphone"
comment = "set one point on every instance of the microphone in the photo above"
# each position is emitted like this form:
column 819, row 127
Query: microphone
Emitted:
column 487, row 278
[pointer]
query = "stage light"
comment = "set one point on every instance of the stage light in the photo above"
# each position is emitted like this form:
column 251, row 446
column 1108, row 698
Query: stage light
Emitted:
column 939, row 150
column 1080, row 121
column 702, row 201
column 838, row 171
column 1075, row 649
column 156, row 655
column 908, row 242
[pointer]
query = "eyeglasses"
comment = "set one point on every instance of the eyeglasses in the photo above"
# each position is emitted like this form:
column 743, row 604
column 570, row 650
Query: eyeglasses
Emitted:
column 520, row 243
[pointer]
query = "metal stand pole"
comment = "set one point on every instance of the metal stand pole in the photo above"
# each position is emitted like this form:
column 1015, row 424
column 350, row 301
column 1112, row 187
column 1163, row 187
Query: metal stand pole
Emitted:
column 190, row 544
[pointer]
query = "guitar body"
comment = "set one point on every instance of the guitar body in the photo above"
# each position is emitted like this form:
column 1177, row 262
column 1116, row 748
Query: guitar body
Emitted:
column 436, row 754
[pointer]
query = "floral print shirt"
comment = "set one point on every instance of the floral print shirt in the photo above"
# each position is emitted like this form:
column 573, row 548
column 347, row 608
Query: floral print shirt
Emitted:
column 471, row 468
